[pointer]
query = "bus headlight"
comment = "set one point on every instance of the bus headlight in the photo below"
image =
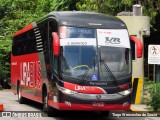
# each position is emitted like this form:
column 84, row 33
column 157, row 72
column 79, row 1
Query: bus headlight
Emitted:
column 66, row 91
column 125, row 92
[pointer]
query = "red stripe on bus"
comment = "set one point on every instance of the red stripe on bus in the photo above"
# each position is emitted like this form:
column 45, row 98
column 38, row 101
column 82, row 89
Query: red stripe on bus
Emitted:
column 27, row 28
column 84, row 89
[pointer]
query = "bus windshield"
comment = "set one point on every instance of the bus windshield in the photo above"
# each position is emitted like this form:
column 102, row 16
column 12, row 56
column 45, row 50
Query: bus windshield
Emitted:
column 83, row 58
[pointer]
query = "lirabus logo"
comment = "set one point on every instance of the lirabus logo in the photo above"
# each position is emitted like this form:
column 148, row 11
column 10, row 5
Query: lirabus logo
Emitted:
column 30, row 74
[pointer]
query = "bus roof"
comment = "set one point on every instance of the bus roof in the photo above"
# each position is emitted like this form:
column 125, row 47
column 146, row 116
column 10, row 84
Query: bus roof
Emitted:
column 80, row 19
column 88, row 19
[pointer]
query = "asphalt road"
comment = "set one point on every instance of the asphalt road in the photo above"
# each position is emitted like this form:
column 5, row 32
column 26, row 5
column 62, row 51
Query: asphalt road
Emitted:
column 11, row 105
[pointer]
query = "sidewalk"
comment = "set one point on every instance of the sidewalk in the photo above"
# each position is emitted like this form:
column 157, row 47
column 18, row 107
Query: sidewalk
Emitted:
column 139, row 108
column 143, row 108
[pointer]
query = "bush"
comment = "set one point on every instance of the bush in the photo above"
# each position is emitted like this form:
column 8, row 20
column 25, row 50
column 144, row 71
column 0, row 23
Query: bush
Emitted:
column 4, row 64
column 154, row 100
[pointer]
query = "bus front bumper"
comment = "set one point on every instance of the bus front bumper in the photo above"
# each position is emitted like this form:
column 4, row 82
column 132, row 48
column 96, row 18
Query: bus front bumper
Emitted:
column 95, row 106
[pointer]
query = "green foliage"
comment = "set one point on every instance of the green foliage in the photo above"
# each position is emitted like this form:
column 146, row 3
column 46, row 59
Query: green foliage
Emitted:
column 4, row 62
column 154, row 100
column 151, row 8
column 15, row 14
column 111, row 7
column 153, row 92
column 63, row 5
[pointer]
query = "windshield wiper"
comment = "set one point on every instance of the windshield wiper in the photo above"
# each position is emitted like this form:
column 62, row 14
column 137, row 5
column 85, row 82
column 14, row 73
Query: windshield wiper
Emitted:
column 110, row 72
column 106, row 68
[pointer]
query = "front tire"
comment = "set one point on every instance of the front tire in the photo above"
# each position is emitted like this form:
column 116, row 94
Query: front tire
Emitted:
column 45, row 102
column 46, row 108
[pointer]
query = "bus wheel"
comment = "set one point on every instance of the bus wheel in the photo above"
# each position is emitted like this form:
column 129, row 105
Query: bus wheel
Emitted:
column 45, row 101
column 21, row 99
column 46, row 108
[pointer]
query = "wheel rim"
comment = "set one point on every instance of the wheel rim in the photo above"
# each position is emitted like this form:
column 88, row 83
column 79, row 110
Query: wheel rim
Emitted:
column 19, row 93
column 45, row 103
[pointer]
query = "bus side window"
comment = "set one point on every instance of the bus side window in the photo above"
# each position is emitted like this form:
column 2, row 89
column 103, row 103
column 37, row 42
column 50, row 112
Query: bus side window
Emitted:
column 31, row 42
column 24, row 44
column 18, row 46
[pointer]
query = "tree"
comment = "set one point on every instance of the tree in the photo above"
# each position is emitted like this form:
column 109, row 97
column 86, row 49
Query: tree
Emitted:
column 62, row 5
column 111, row 7
column 4, row 61
column 15, row 14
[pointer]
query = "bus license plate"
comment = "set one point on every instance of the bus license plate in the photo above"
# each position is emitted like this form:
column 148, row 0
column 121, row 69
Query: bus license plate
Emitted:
column 98, row 104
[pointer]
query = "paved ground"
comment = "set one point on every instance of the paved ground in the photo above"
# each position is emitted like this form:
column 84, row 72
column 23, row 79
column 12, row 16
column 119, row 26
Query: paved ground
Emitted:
column 139, row 107
column 9, row 100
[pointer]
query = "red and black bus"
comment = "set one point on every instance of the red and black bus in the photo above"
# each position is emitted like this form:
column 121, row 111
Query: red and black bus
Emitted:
column 73, row 61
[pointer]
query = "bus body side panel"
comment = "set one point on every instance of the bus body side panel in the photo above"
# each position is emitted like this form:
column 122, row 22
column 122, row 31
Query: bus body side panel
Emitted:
column 27, row 70
column 14, row 74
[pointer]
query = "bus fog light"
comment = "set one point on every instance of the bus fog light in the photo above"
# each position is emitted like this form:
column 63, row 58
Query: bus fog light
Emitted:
column 125, row 92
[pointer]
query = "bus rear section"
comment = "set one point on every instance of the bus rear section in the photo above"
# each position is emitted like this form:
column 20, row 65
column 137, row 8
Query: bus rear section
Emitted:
column 78, row 64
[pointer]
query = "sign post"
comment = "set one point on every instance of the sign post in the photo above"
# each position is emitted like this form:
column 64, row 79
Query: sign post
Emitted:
column 154, row 57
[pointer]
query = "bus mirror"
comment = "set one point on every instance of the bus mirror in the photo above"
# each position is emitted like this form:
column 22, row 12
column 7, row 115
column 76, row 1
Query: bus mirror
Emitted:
column 56, row 44
column 139, row 46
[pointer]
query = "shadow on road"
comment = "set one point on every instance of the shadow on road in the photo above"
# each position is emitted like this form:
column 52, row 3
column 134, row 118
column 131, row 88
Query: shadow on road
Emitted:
column 79, row 115
column 33, row 104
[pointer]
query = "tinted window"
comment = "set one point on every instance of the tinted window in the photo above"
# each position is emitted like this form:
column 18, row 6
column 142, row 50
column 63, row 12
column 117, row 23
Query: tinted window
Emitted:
column 24, row 44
